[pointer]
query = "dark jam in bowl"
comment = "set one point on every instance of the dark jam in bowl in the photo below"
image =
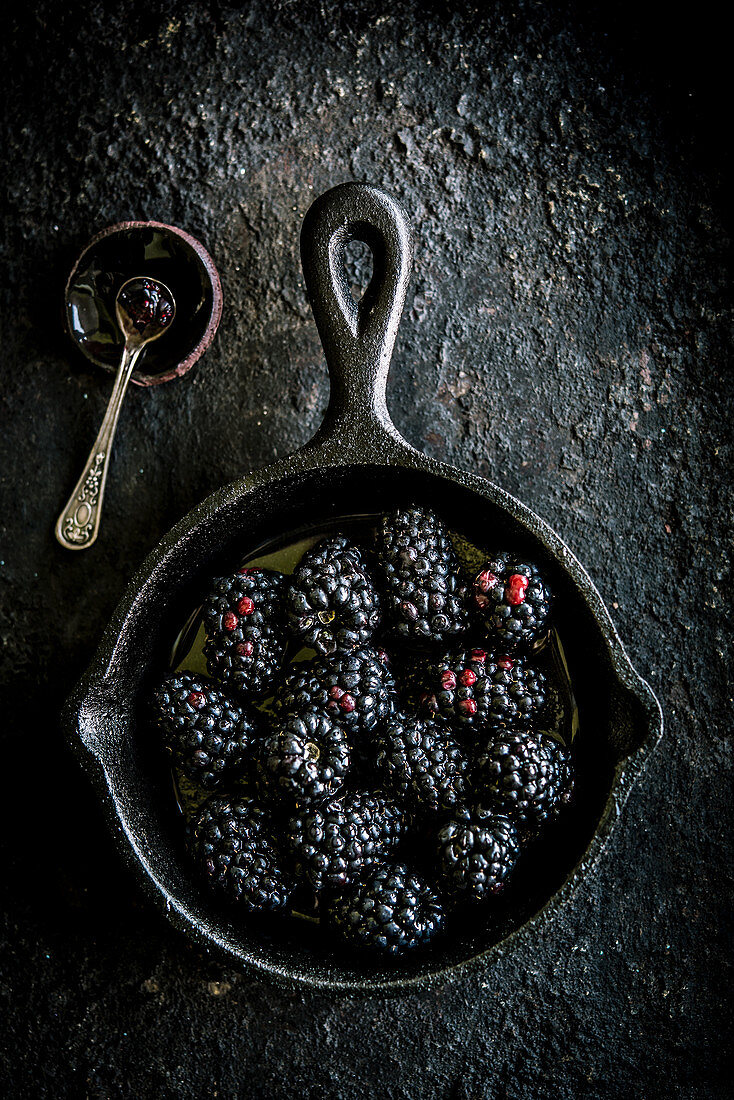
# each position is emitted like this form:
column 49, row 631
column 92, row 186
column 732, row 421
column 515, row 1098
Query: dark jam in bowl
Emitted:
column 159, row 253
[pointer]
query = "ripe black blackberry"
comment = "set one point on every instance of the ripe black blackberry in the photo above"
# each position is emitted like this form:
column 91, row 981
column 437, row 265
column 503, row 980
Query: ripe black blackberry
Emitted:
column 426, row 597
column 528, row 776
column 246, row 636
column 231, row 843
column 477, row 851
column 514, row 602
column 421, row 764
column 209, row 735
column 355, row 689
column 333, row 843
column 391, row 910
column 303, row 760
column 475, row 690
column 331, row 601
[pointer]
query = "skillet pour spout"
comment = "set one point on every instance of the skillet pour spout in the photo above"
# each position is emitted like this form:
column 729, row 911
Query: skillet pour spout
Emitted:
column 357, row 456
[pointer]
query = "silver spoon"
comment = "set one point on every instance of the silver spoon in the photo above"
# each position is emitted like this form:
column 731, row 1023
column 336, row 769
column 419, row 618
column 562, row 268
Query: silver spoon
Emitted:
column 145, row 309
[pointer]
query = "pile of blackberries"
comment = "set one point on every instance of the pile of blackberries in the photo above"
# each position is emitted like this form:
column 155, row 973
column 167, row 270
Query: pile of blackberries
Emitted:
column 396, row 775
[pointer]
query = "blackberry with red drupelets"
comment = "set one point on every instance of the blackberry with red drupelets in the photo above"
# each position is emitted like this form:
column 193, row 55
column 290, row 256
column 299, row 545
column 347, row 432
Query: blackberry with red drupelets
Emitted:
column 355, row 689
column 514, row 603
column 246, row 638
column 208, row 733
column 478, row 691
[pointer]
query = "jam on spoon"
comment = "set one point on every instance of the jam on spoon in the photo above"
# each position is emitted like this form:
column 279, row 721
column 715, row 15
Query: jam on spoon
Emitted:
column 145, row 309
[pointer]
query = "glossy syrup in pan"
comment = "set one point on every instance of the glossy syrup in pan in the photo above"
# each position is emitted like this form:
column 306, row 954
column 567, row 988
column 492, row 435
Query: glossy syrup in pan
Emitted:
column 560, row 715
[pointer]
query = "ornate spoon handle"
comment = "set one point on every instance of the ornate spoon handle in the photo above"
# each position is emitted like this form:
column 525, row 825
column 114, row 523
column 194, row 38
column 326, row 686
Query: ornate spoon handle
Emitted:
column 78, row 524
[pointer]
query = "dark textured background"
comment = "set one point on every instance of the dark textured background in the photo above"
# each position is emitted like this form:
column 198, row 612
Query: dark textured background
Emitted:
column 567, row 333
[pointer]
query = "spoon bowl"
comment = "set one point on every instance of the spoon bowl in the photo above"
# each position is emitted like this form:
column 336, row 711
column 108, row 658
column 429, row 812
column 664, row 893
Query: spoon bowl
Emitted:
column 145, row 309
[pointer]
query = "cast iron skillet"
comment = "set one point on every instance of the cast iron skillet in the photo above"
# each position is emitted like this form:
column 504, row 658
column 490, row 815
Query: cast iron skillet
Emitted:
column 358, row 462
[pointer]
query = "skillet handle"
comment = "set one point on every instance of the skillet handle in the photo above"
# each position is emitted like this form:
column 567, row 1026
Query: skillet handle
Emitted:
column 358, row 337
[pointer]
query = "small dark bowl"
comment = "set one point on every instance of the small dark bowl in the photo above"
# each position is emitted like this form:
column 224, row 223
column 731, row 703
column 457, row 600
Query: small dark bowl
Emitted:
column 163, row 252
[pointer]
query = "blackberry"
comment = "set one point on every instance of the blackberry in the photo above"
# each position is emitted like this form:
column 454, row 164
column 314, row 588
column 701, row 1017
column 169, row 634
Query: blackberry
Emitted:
column 208, row 734
column 333, row 843
column 477, row 850
column 514, row 602
column 421, row 764
column 528, row 776
column 304, row 759
column 426, row 598
column 354, row 689
column 332, row 603
column 475, row 690
column 390, row 910
column 232, row 846
column 245, row 630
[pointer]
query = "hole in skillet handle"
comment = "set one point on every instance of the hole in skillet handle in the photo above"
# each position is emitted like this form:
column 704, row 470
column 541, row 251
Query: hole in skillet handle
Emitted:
column 359, row 264
column 343, row 246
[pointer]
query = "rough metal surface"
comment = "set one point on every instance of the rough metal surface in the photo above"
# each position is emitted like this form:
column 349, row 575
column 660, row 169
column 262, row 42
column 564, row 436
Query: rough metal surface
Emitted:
column 567, row 331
